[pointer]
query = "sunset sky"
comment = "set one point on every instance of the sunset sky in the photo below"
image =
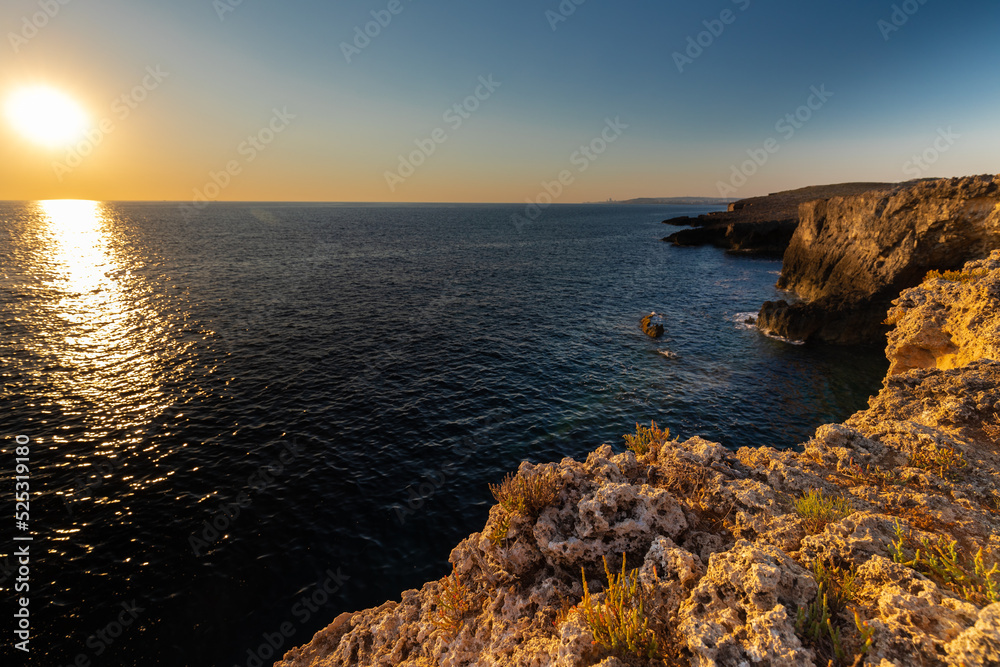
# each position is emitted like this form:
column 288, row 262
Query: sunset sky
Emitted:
column 173, row 92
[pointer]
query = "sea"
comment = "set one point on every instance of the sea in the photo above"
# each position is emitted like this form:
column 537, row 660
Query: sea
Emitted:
column 236, row 423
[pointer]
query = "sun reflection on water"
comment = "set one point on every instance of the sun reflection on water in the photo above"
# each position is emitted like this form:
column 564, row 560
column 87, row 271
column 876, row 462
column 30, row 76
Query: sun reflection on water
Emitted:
column 100, row 336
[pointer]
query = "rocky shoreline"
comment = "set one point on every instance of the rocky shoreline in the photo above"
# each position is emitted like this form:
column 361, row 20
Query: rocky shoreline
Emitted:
column 876, row 544
column 851, row 256
column 759, row 225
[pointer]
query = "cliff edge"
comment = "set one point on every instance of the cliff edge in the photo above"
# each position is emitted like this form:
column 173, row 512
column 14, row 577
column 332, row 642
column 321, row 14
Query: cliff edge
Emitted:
column 877, row 544
column 759, row 225
column 851, row 256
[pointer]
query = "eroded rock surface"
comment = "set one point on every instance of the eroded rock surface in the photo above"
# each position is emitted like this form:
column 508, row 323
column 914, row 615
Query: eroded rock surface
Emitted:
column 947, row 322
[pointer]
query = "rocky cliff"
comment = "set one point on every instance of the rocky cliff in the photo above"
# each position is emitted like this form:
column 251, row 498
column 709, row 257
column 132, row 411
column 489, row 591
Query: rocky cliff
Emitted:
column 851, row 256
column 759, row 225
column 876, row 544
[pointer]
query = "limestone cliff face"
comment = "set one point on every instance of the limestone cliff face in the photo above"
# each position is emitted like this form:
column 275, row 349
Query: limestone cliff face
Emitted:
column 728, row 564
column 949, row 321
column 850, row 256
column 759, row 225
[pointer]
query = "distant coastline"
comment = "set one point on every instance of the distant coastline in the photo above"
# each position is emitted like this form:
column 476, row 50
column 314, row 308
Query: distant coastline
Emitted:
column 671, row 201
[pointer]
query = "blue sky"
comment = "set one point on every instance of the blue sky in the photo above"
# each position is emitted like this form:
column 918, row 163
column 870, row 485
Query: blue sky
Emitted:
column 229, row 71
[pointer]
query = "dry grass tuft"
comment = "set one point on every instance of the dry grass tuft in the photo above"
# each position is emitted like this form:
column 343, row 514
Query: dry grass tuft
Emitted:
column 620, row 623
column 453, row 603
column 873, row 475
column 527, row 496
column 945, row 462
column 956, row 276
column 646, row 439
column 818, row 509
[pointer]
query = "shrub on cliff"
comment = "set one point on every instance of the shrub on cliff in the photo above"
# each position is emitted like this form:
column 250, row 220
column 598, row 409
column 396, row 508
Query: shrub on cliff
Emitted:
column 526, row 496
column 646, row 438
column 619, row 623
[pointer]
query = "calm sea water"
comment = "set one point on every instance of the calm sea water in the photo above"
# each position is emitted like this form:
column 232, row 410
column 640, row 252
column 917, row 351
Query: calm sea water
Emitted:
column 334, row 387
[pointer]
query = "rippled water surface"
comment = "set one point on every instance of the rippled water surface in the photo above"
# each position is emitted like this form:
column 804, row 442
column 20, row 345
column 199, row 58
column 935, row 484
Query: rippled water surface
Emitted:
column 334, row 387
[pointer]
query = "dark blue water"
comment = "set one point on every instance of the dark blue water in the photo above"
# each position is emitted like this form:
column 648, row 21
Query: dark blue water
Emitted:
column 385, row 362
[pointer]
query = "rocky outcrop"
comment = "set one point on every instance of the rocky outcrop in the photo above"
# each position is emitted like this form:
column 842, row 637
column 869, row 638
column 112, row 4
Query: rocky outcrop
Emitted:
column 948, row 321
column 758, row 225
column 652, row 325
column 851, row 256
column 737, row 565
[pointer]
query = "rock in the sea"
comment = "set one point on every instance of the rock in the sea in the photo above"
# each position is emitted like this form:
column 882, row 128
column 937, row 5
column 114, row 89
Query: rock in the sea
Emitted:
column 652, row 325
column 851, row 256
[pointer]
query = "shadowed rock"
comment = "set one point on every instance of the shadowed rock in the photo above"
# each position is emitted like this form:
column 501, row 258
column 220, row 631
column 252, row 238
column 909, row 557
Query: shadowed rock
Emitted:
column 759, row 225
column 851, row 256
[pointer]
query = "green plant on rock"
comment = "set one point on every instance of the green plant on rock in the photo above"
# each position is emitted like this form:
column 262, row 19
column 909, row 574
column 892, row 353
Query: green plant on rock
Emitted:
column 619, row 623
column 818, row 509
column 837, row 582
column 946, row 462
column 815, row 627
column 526, row 495
column 646, row 438
column 956, row 276
column 976, row 579
column 819, row 624
column 453, row 602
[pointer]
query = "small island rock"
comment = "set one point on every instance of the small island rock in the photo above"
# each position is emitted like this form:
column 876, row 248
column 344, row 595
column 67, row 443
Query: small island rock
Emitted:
column 652, row 325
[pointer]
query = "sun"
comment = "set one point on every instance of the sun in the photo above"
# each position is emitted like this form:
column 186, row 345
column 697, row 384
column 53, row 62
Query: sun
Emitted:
column 47, row 116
